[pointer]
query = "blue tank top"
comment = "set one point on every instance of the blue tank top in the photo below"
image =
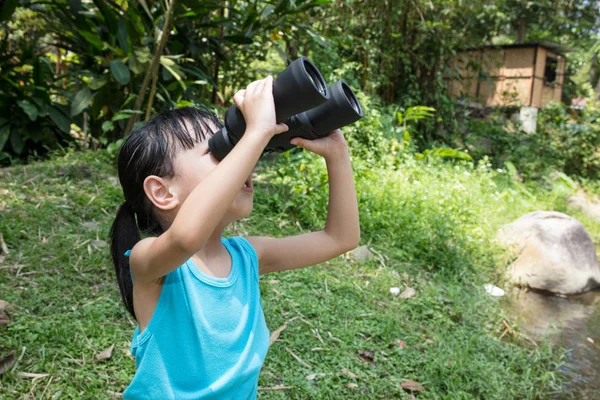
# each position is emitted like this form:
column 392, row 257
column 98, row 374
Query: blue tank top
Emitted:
column 207, row 338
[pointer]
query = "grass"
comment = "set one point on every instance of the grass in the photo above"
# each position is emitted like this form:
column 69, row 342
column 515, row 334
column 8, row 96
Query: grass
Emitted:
column 431, row 228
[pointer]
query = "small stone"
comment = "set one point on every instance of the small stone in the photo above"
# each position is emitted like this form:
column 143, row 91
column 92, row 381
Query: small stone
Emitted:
column 362, row 253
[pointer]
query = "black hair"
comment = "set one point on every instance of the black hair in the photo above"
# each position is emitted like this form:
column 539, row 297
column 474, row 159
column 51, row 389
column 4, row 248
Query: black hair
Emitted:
column 150, row 150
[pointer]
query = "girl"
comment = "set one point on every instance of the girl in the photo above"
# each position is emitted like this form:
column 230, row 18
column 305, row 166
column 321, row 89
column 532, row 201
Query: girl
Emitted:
column 195, row 294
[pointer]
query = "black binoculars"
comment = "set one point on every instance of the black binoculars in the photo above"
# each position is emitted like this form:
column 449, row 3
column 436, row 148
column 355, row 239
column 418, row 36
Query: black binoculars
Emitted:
column 303, row 102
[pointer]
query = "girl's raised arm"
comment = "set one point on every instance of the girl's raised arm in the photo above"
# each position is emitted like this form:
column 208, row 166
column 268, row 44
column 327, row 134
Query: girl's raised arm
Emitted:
column 206, row 205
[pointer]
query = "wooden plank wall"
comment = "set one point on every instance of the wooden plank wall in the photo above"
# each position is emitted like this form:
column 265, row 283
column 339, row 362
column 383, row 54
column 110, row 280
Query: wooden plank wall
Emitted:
column 495, row 77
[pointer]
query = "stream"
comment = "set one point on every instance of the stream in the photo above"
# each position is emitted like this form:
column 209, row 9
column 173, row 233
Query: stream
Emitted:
column 572, row 322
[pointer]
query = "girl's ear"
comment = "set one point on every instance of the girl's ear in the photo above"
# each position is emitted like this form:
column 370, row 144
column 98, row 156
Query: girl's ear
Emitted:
column 159, row 194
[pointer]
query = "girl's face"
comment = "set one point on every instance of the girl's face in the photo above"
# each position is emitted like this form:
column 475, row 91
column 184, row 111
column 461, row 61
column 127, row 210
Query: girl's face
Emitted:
column 193, row 166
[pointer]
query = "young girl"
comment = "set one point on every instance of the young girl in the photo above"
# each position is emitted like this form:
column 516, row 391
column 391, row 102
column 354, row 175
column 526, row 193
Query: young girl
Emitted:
column 195, row 294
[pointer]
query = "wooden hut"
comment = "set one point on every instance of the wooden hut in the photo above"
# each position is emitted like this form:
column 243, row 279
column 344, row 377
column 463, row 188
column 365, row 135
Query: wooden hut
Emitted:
column 523, row 75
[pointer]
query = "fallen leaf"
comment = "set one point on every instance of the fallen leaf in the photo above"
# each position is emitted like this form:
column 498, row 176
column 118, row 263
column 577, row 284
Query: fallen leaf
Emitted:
column 91, row 225
column 3, row 247
column 367, row 355
column 349, row 374
column 412, row 386
column 275, row 388
column 351, row 385
column 99, row 243
column 32, row 375
column 114, row 395
column 275, row 334
column 312, row 377
column 106, row 354
column 590, row 340
column 273, row 281
column 298, row 358
column 7, row 362
column 408, row 293
column 4, row 316
column 428, row 341
column 405, row 276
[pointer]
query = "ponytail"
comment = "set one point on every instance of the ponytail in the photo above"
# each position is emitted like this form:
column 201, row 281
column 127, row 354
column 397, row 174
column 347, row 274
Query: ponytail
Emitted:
column 124, row 235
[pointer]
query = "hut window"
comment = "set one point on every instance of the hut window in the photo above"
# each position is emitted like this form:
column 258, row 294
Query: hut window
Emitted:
column 550, row 72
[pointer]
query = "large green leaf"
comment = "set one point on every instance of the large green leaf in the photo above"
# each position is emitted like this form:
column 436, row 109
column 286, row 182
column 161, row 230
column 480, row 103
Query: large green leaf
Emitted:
column 30, row 109
column 4, row 132
column 81, row 101
column 17, row 142
column 62, row 122
column 123, row 36
column 120, row 71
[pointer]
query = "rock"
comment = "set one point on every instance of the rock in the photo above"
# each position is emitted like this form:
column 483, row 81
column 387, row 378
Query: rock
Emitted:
column 92, row 225
column 555, row 253
column 580, row 201
column 362, row 253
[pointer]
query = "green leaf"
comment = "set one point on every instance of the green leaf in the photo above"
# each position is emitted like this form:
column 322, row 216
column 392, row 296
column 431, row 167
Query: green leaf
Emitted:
column 62, row 122
column 92, row 38
column 268, row 10
column 107, row 126
column 30, row 109
column 120, row 71
column 173, row 69
column 97, row 82
column 123, row 36
column 81, row 101
column 17, row 142
column 4, row 134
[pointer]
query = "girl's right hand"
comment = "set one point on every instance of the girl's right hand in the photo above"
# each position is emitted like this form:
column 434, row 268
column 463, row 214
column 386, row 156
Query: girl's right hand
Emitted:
column 258, row 107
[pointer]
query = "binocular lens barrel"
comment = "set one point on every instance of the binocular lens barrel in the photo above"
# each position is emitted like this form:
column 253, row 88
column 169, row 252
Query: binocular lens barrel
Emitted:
column 340, row 110
column 303, row 101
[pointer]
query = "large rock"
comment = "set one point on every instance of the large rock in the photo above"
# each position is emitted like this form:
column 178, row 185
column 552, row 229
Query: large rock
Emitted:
column 555, row 253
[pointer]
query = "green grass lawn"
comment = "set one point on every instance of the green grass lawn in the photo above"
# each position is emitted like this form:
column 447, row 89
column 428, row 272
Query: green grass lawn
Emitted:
column 345, row 335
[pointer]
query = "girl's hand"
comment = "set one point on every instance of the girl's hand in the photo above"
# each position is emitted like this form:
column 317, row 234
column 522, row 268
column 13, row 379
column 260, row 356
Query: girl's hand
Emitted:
column 257, row 105
column 330, row 146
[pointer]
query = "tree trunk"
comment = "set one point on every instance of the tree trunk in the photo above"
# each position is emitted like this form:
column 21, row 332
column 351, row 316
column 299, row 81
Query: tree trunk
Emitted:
column 153, row 69
column 521, row 31
column 218, row 60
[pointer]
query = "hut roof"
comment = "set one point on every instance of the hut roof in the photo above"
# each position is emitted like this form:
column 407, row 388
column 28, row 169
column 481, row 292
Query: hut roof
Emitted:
column 555, row 47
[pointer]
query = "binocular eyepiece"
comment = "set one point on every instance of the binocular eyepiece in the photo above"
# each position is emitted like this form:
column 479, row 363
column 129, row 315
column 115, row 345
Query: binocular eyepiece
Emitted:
column 303, row 101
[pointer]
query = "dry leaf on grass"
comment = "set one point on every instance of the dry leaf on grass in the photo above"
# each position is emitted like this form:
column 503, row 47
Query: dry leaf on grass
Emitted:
column 590, row 340
column 412, row 386
column 114, row 395
column 3, row 247
column 367, row 355
column 280, row 387
column 408, row 293
column 312, row 377
column 31, row 375
column 275, row 334
column 4, row 316
column 349, row 374
column 106, row 354
column 7, row 362
column 351, row 385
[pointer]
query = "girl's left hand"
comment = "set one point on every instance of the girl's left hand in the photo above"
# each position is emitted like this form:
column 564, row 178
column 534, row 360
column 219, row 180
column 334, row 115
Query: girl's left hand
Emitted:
column 330, row 146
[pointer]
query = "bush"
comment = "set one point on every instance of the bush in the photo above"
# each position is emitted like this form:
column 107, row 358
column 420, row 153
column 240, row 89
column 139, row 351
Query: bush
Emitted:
column 566, row 141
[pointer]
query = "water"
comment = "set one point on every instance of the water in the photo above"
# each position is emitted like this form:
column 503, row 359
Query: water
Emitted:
column 571, row 322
